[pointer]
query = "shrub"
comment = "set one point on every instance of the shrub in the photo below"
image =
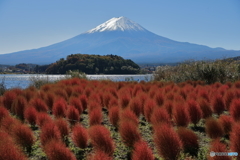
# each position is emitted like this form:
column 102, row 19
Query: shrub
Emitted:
column 80, row 136
column 189, row 140
column 226, row 122
column 62, row 127
column 217, row 146
column 129, row 133
column 106, row 99
column 3, row 113
column 205, row 107
column 99, row 155
column 59, row 108
column 83, row 100
column 77, row 104
column 39, row 105
column 167, row 142
column 73, row 115
column 159, row 98
column 49, row 99
column 94, row 105
column 8, row 124
column 228, row 97
column 23, row 136
column 135, row 106
column 148, row 109
column 43, row 118
column 168, row 105
column 56, row 150
column 159, row 116
column 124, row 100
column 204, row 94
column 101, row 139
column 218, row 104
column 235, row 110
column 8, row 150
column 142, row 151
column 128, row 115
column 194, row 111
column 114, row 116
column 235, row 139
column 213, row 128
column 8, row 98
column 49, row 131
column 18, row 106
column 180, row 115
column 95, row 117
column 30, row 114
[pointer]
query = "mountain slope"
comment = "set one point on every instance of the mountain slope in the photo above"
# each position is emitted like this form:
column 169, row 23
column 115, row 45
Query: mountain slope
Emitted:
column 123, row 37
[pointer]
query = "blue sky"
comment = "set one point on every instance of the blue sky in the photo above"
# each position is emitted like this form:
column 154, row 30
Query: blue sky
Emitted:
column 29, row 24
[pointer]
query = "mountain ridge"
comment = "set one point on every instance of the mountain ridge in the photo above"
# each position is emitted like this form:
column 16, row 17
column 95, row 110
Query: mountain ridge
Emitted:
column 123, row 37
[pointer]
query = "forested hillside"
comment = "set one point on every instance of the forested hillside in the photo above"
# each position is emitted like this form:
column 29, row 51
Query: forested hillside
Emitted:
column 93, row 64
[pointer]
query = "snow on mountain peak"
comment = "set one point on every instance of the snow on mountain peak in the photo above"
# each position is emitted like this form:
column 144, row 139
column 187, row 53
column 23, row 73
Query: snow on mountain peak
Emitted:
column 117, row 23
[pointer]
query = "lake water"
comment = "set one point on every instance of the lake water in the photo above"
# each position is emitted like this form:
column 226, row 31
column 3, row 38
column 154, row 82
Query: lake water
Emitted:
column 24, row 80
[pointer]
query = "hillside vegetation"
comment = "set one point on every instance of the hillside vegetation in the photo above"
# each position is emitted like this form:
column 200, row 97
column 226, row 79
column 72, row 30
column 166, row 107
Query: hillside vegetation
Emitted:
column 92, row 64
column 222, row 71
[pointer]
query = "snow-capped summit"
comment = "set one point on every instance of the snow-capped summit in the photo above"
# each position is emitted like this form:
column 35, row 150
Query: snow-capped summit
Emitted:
column 119, row 23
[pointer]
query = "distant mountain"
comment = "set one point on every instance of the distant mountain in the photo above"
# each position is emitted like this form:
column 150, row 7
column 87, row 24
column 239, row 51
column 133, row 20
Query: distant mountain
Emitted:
column 123, row 37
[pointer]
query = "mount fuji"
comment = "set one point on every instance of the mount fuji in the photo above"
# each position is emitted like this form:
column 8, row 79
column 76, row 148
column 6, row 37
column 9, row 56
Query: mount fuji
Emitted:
column 120, row 36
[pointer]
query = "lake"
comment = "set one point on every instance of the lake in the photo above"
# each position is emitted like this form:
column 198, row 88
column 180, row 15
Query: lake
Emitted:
column 24, row 80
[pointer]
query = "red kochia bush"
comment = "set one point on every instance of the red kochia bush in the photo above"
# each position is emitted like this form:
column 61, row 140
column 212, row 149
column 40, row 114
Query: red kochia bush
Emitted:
column 80, row 136
column 167, row 142
column 217, row 146
column 218, row 104
column 226, row 122
column 235, row 139
column 59, row 108
column 18, row 106
column 213, row 128
column 124, row 100
column 49, row 131
column 142, row 151
column 3, row 113
column 43, row 118
column 56, row 150
column 148, row 109
column 77, row 104
column 205, row 107
column 39, row 105
column 30, row 114
column 99, row 155
column 160, row 116
column 159, row 98
column 23, row 136
column 129, row 133
column 101, row 139
column 114, row 115
column 49, row 99
column 83, row 100
column 95, row 117
column 8, row 150
column 228, row 97
column 136, row 106
column 194, row 111
column 129, row 116
column 73, row 115
column 180, row 115
column 8, row 98
column 189, row 140
column 235, row 110
column 62, row 127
